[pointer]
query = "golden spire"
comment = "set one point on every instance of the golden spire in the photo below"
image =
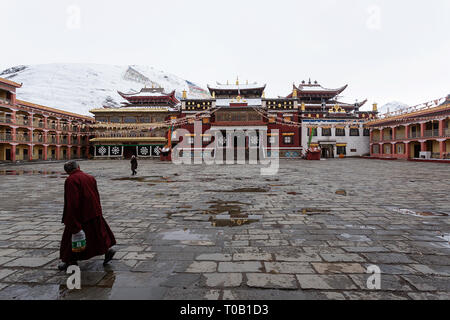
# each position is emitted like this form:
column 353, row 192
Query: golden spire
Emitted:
column 214, row 94
column 294, row 93
column 184, row 94
column 303, row 106
column 237, row 81
column 264, row 95
column 375, row 107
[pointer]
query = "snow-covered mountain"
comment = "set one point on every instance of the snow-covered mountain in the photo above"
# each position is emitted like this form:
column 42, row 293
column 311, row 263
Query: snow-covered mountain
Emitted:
column 392, row 107
column 81, row 87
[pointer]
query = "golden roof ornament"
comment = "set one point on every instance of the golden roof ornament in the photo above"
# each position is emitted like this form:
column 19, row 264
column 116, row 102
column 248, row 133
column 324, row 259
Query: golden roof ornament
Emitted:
column 237, row 81
column 303, row 106
column 214, row 94
column 184, row 94
column 375, row 107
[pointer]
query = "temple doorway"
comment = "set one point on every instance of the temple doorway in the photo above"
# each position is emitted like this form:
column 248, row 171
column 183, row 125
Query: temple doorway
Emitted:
column 327, row 151
column 129, row 151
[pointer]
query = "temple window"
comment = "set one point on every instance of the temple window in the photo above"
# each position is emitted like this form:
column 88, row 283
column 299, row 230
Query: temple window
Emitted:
column 340, row 132
column 366, row 132
column 115, row 120
column 130, row 120
column 314, row 132
column 341, row 150
column 354, row 132
column 326, row 132
column 288, row 140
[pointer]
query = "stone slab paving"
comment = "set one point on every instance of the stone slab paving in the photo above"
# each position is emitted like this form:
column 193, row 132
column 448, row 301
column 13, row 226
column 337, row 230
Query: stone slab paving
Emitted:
column 308, row 242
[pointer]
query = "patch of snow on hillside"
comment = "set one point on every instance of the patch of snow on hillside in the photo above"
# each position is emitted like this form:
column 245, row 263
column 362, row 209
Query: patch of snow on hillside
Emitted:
column 79, row 88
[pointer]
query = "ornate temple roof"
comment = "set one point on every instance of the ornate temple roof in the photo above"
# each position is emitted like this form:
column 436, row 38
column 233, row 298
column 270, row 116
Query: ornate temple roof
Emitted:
column 150, row 95
column 315, row 89
column 236, row 87
column 10, row 83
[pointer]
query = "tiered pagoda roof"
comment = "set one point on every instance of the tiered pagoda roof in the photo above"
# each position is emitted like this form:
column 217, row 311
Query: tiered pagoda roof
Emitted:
column 307, row 91
column 150, row 97
column 243, row 90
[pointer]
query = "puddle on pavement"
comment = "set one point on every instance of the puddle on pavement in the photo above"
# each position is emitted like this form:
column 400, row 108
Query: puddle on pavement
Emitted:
column 32, row 173
column 241, row 190
column 341, row 192
column 226, row 220
column 293, row 193
column 417, row 213
column 313, row 211
column 229, row 214
column 151, row 182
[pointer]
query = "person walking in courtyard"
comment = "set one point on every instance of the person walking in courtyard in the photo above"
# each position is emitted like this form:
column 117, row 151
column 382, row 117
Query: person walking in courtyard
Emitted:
column 134, row 165
column 83, row 219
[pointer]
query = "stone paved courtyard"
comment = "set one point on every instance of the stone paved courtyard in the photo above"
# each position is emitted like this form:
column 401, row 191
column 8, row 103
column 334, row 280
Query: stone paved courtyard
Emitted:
column 226, row 232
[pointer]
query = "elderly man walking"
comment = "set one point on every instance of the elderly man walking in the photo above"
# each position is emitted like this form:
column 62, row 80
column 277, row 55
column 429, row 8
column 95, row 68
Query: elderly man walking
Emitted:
column 83, row 214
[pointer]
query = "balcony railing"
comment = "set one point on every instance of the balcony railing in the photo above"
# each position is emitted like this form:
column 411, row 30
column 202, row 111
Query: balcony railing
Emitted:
column 21, row 138
column 24, row 122
column 38, row 124
column 64, row 141
column 5, row 120
column 447, row 132
column 375, row 139
column 5, row 101
column 415, row 134
column 52, row 125
column 400, row 136
column 6, row 136
column 38, row 140
column 431, row 133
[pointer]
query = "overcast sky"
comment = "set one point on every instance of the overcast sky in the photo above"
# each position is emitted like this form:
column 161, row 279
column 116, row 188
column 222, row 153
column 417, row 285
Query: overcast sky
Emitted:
column 384, row 50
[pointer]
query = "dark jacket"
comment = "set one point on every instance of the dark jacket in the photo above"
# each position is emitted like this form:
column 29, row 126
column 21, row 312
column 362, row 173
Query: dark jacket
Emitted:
column 134, row 164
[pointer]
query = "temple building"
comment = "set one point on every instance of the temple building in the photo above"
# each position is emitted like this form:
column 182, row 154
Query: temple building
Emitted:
column 413, row 134
column 238, row 116
column 138, row 127
column 335, row 127
column 33, row 132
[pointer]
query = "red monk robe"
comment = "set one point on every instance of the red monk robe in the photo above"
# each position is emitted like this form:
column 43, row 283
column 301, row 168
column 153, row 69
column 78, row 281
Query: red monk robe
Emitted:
column 83, row 211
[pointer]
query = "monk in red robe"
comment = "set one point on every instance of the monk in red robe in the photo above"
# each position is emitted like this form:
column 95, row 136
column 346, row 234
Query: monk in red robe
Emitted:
column 83, row 211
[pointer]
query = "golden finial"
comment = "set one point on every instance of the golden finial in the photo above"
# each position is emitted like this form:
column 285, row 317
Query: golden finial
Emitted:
column 214, row 94
column 303, row 106
column 184, row 94
column 264, row 95
column 375, row 107
column 246, row 82
column 237, row 81
column 153, row 85
column 294, row 93
column 227, row 82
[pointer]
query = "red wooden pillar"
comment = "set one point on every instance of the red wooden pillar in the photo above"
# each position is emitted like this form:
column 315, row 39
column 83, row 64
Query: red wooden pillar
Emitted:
column 441, row 127
column 407, row 131
column 422, row 130
column 30, row 152
column 394, row 133
column 45, row 152
column 442, row 149
column 13, row 152
column 407, row 150
column 381, row 136
column 58, row 152
column 423, row 146
column 14, row 134
column 69, row 153
column 79, row 152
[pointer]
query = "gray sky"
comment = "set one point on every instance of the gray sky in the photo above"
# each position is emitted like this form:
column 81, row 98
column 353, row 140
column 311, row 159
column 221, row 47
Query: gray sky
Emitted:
column 385, row 50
